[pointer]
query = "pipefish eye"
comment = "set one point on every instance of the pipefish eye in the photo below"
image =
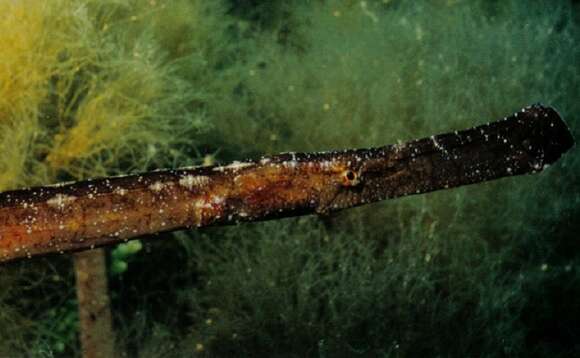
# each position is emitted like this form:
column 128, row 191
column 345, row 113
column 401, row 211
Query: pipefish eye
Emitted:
column 350, row 178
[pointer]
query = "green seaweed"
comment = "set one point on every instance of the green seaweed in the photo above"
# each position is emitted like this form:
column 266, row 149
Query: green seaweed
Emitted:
column 95, row 88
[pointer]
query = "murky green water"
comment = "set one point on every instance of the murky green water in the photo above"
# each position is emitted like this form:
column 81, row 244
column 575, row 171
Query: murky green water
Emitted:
column 94, row 88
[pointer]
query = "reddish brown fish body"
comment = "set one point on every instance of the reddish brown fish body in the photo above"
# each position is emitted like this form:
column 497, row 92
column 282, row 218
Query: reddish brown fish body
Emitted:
column 93, row 213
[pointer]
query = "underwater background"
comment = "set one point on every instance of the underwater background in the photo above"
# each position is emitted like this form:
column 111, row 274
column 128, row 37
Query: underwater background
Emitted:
column 91, row 88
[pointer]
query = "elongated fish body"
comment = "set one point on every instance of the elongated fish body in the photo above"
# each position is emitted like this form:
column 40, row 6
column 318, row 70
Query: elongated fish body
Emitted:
column 98, row 212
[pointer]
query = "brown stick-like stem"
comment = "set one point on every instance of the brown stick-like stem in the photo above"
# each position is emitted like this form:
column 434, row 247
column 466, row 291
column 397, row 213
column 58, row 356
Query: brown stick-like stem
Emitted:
column 96, row 331
column 92, row 213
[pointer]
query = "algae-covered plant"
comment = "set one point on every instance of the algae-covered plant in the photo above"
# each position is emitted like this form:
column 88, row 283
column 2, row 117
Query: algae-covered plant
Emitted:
column 91, row 88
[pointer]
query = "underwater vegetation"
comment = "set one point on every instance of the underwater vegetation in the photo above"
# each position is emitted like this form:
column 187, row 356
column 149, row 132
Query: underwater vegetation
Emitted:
column 92, row 88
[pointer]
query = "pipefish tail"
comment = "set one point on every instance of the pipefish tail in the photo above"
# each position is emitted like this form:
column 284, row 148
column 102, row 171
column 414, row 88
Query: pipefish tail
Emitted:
column 86, row 214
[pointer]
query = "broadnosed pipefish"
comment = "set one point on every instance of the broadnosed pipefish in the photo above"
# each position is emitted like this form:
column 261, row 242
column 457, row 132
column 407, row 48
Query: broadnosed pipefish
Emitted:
column 85, row 214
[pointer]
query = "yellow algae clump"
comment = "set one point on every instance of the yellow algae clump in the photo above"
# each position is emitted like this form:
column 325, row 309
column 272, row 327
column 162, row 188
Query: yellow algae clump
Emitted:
column 109, row 116
column 23, row 74
column 85, row 86
column 24, row 63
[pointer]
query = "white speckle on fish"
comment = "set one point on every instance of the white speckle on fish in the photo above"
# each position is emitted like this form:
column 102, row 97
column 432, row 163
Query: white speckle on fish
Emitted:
column 60, row 200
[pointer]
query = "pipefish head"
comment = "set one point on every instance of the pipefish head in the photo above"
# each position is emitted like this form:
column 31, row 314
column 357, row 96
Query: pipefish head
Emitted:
column 357, row 177
column 343, row 181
